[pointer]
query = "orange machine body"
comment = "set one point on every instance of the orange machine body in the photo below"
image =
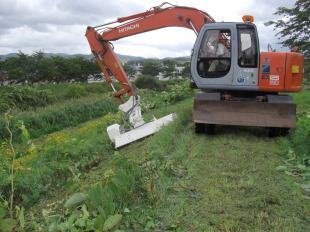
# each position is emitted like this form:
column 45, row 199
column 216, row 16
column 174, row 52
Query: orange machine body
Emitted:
column 280, row 72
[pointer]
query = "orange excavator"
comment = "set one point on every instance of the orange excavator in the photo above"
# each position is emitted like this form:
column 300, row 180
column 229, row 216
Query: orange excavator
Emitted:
column 239, row 85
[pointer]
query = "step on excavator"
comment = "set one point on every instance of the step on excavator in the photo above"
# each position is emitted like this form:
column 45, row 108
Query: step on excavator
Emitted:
column 239, row 85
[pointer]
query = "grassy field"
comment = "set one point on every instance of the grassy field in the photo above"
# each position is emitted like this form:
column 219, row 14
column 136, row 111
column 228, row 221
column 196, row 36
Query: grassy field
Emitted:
column 176, row 180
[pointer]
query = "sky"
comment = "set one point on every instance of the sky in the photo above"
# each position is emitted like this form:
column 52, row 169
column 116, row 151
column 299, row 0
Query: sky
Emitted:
column 58, row 26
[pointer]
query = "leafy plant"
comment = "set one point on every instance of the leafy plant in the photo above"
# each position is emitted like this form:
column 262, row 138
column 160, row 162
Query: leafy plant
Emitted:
column 95, row 88
column 11, row 166
column 176, row 92
column 100, row 208
column 12, row 172
column 76, row 91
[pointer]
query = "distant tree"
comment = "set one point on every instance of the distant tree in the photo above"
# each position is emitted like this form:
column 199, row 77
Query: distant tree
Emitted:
column 19, row 69
column 94, row 66
column 10, row 69
column 3, row 73
column 129, row 70
column 81, row 69
column 47, row 70
column 167, row 62
column 295, row 27
column 132, row 62
column 39, row 68
column 169, row 68
column 151, row 68
column 186, row 72
column 59, row 70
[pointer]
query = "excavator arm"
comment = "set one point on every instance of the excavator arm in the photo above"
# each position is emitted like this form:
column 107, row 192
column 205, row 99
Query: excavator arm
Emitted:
column 99, row 37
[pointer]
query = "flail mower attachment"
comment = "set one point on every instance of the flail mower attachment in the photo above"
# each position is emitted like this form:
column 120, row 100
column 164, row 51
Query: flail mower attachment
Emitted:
column 137, row 128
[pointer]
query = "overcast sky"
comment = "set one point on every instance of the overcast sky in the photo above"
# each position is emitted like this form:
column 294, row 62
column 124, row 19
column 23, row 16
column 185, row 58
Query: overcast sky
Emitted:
column 58, row 26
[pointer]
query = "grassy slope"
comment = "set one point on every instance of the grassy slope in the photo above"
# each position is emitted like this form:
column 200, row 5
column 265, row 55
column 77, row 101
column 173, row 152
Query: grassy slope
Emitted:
column 226, row 182
column 231, row 182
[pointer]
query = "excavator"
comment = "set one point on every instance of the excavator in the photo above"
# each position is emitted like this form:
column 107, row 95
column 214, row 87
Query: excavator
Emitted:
column 239, row 85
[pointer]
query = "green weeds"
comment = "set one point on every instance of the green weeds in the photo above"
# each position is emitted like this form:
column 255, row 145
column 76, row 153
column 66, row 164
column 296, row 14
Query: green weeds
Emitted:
column 102, row 208
column 297, row 156
column 149, row 82
column 11, row 169
column 49, row 164
column 76, row 91
column 24, row 98
column 174, row 94
column 61, row 115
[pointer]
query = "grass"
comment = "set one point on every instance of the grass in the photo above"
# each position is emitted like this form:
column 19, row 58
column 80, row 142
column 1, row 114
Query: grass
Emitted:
column 61, row 115
column 60, row 90
column 227, row 182
column 244, row 192
column 302, row 99
column 185, row 181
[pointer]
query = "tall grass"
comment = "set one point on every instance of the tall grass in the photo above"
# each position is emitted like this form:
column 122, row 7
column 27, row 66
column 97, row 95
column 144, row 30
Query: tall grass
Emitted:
column 299, row 138
column 55, row 117
column 52, row 160
column 61, row 90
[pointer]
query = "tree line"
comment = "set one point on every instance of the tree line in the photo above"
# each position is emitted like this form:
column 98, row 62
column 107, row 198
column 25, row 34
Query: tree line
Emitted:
column 167, row 67
column 37, row 68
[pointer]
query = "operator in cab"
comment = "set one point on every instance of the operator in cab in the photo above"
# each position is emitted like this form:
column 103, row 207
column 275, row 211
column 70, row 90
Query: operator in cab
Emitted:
column 218, row 50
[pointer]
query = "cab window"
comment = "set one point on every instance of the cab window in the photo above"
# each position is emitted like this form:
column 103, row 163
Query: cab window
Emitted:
column 214, row 56
column 247, row 51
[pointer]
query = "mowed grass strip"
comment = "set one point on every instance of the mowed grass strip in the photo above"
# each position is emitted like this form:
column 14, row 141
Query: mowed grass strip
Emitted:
column 244, row 192
column 230, row 182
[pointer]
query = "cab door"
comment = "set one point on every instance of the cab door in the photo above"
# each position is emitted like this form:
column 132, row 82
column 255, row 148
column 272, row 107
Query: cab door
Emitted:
column 246, row 65
column 211, row 64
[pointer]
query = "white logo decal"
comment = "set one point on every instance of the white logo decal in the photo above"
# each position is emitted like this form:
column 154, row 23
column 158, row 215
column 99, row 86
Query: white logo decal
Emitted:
column 133, row 26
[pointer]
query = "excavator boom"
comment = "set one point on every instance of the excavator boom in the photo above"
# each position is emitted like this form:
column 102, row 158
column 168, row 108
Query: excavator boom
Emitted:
column 99, row 37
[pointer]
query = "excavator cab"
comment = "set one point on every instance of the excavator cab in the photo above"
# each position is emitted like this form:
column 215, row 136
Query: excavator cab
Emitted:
column 226, row 56
column 239, row 85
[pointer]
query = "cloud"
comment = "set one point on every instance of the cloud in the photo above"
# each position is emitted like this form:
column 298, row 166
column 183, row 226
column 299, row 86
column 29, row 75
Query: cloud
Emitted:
column 59, row 25
column 263, row 11
column 165, row 42
column 37, row 14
